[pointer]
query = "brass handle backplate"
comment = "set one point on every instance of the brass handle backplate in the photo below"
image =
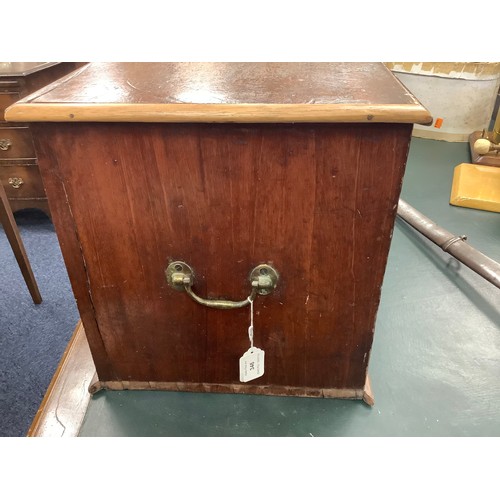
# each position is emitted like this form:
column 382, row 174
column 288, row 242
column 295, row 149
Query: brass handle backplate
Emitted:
column 16, row 182
column 263, row 279
column 5, row 144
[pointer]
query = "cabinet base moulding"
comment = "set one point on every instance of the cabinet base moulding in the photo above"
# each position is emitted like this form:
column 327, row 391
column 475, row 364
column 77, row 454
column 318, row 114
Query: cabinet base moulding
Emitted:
column 64, row 406
column 364, row 393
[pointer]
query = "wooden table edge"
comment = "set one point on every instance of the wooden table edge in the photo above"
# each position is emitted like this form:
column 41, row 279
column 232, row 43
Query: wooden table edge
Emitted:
column 67, row 390
column 25, row 111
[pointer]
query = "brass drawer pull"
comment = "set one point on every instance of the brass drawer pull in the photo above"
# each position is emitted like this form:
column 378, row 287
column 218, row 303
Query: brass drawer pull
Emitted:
column 16, row 182
column 5, row 144
column 263, row 278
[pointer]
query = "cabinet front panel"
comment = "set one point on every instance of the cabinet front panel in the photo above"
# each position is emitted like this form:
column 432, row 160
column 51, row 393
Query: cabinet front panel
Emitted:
column 317, row 202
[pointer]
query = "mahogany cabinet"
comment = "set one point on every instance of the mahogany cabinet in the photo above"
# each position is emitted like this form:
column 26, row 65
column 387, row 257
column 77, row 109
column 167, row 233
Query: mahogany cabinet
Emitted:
column 179, row 190
column 18, row 164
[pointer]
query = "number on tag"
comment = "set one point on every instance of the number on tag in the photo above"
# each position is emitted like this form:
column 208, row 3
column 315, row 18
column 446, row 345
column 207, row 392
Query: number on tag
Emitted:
column 251, row 364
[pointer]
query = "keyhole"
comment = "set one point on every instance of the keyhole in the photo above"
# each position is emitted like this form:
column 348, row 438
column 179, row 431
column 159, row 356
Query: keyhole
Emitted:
column 178, row 267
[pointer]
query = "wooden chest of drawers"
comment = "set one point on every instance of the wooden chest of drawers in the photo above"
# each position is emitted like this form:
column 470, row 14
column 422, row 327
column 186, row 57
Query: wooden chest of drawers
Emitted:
column 19, row 172
column 276, row 182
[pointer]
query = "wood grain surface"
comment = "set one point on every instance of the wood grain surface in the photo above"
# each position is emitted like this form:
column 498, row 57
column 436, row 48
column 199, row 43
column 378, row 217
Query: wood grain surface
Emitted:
column 18, row 158
column 317, row 201
column 31, row 187
column 225, row 92
column 13, row 236
column 64, row 405
column 6, row 100
column 21, row 145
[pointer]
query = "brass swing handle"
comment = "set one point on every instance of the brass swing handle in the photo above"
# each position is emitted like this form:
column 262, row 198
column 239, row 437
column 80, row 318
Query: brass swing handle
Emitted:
column 263, row 279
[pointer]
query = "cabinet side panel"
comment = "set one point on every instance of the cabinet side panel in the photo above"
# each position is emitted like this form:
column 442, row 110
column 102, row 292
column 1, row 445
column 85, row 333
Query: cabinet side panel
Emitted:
column 359, row 173
column 51, row 150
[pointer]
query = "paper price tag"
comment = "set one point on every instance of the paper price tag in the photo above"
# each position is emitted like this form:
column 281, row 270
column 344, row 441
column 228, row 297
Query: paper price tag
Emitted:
column 251, row 364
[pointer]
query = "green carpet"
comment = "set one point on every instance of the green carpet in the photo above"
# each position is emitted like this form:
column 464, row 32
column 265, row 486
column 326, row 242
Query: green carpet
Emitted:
column 435, row 363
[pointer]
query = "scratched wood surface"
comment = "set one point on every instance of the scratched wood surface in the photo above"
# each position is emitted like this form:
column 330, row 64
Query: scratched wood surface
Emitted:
column 236, row 83
column 318, row 201
column 234, row 92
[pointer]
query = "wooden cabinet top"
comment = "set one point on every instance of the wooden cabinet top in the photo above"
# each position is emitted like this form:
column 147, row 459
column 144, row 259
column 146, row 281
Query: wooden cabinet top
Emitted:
column 224, row 92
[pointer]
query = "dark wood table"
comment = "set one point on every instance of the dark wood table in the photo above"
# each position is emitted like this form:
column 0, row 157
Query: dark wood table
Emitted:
column 224, row 168
column 18, row 163
column 12, row 232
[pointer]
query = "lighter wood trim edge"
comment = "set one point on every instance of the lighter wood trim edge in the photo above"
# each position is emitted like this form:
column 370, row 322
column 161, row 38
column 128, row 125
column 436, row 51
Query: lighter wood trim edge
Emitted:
column 60, row 390
column 218, row 113
column 368, row 393
column 264, row 390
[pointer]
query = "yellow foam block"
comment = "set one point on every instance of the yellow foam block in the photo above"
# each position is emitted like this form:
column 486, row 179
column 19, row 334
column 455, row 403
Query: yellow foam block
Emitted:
column 476, row 186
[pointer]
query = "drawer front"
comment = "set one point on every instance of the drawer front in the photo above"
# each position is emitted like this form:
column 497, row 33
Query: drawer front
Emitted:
column 5, row 101
column 22, row 181
column 16, row 142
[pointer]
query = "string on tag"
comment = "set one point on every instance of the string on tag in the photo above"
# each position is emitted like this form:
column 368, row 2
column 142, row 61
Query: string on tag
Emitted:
column 250, row 328
column 252, row 361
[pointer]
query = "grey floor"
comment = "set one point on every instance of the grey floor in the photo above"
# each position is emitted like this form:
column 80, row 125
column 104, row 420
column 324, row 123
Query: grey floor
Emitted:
column 435, row 364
